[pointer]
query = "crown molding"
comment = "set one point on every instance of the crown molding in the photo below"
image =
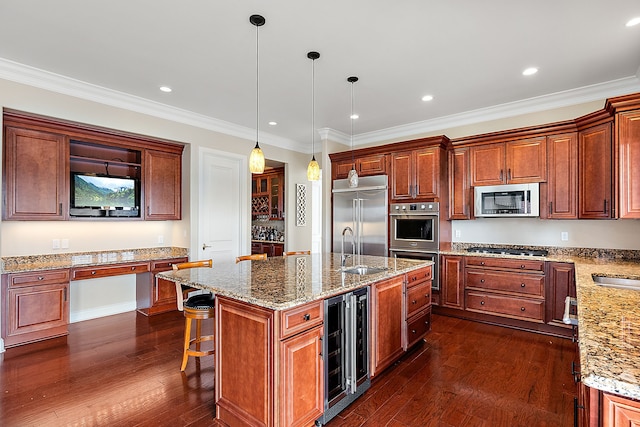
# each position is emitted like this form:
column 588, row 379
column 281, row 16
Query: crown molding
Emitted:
column 31, row 76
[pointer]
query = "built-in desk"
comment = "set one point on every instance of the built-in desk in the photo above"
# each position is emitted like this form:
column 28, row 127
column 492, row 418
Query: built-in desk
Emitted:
column 35, row 289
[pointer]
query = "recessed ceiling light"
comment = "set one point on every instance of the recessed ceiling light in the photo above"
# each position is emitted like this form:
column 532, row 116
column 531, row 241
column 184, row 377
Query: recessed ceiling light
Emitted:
column 165, row 89
column 273, row 123
column 427, row 98
column 530, row 71
column 354, row 116
column 634, row 21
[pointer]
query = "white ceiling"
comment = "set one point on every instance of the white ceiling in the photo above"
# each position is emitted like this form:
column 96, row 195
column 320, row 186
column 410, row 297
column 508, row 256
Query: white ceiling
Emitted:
column 468, row 54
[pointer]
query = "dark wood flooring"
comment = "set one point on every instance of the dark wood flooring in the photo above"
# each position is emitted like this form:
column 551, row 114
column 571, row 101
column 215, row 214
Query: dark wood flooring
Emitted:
column 124, row 370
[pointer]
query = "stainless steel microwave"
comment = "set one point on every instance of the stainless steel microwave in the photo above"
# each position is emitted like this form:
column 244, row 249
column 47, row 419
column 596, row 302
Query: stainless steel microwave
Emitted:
column 510, row 200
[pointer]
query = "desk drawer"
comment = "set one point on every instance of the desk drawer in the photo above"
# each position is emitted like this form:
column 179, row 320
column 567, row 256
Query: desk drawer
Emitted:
column 500, row 305
column 418, row 297
column 506, row 263
column 301, row 318
column 525, row 284
column 114, row 270
column 166, row 264
column 38, row 278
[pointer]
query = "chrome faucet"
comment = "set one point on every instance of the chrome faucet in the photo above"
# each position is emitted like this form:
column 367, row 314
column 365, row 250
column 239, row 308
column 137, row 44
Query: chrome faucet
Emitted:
column 343, row 257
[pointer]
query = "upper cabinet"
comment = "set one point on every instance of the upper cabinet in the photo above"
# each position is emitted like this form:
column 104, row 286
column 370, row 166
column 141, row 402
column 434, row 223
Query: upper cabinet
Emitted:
column 513, row 162
column 417, row 174
column 267, row 194
column 628, row 133
column 35, row 175
column 373, row 164
column 59, row 170
column 595, row 172
column 460, row 195
column 562, row 182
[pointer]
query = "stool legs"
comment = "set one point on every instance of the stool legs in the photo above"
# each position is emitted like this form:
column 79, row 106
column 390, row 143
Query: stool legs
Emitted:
column 198, row 316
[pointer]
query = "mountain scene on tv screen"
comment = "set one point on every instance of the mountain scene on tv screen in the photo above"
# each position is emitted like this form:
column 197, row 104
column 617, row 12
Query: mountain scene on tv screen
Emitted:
column 97, row 191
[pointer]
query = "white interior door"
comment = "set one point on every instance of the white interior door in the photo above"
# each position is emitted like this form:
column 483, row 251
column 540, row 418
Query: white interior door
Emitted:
column 222, row 208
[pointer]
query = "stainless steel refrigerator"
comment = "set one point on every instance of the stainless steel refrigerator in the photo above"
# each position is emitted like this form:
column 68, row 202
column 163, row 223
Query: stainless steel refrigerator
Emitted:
column 364, row 209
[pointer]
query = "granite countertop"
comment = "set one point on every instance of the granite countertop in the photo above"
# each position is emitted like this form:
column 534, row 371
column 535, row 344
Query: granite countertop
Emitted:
column 21, row 264
column 284, row 282
column 608, row 318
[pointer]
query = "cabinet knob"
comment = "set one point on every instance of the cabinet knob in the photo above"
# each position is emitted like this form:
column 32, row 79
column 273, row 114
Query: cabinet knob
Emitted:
column 522, row 308
column 414, row 302
column 306, row 317
column 40, row 278
column 522, row 266
column 481, row 280
column 413, row 331
column 481, row 262
column 133, row 268
column 481, row 302
column 93, row 272
column 522, row 285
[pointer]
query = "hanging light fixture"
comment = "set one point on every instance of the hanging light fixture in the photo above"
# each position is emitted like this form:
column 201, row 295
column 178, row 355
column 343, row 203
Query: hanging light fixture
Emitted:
column 313, row 170
column 353, row 174
column 256, row 159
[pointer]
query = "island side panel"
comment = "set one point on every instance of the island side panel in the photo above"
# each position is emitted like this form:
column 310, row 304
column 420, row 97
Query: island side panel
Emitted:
column 244, row 363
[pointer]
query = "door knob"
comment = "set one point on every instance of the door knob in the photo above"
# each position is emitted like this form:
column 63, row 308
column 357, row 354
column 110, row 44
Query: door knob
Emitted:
column 205, row 246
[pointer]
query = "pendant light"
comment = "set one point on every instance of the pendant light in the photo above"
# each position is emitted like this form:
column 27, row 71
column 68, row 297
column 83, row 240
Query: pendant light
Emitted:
column 353, row 174
column 313, row 170
column 256, row 159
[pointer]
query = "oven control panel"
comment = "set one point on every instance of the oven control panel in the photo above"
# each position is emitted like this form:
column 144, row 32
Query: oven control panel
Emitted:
column 414, row 208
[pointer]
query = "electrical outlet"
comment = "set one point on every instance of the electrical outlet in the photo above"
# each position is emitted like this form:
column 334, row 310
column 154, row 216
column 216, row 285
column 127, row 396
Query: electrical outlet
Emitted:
column 458, row 233
column 564, row 236
column 64, row 243
column 160, row 239
column 55, row 244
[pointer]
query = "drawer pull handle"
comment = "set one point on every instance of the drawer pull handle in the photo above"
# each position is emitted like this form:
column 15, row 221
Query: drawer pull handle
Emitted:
column 413, row 331
column 522, row 308
column 481, row 262
column 522, row 266
column 93, row 272
column 481, row 302
column 133, row 268
column 414, row 302
column 40, row 278
column 522, row 285
column 481, row 280
column 426, row 322
column 426, row 295
column 306, row 317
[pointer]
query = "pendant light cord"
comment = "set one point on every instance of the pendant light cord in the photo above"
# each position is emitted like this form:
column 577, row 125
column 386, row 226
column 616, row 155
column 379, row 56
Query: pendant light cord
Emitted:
column 257, row 84
column 313, row 109
column 351, row 123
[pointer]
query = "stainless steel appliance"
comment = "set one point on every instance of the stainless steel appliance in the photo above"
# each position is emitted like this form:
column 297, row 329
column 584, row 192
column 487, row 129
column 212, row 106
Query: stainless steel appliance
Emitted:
column 507, row 251
column 364, row 210
column 415, row 234
column 346, row 350
column 511, row 200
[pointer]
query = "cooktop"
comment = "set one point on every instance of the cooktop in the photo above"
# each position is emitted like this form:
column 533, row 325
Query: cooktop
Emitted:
column 508, row 251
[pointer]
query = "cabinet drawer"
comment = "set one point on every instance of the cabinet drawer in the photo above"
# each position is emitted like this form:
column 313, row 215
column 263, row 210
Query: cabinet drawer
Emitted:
column 418, row 276
column 418, row 326
column 166, row 264
column 418, row 297
column 38, row 278
column 500, row 305
column 116, row 270
column 301, row 318
column 506, row 263
column 526, row 284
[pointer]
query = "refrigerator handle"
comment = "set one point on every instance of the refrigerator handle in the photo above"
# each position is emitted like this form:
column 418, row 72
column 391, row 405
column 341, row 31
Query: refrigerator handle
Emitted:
column 360, row 225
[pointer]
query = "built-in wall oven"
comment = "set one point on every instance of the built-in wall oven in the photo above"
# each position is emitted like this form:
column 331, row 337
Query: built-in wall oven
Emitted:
column 414, row 233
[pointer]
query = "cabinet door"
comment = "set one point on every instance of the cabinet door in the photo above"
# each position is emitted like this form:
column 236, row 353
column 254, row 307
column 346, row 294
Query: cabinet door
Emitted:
column 402, row 176
column 459, row 185
column 452, row 282
column 371, row 165
column 427, row 173
column 562, row 180
column 387, row 319
column 36, row 312
column 619, row 412
column 487, row 165
column 526, row 161
column 629, row 163
column 340, row 170
column 36, row 174
column 594, row 171
column 561, row 280
column 163, row 173
column 301, row 378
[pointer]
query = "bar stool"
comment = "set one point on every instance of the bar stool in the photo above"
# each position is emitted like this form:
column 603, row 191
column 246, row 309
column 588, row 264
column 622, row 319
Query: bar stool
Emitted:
column 253, row 257
column 198, row 307
column 286, row 254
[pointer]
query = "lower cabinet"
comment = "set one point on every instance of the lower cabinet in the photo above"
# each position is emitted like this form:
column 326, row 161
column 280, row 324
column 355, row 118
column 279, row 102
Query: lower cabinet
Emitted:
column 156, row 295
column 619, row 411
column 561, row 279
column 35, row 306
column 418, row 306
column 387, row 323
column 452, row 281
column 271, row 249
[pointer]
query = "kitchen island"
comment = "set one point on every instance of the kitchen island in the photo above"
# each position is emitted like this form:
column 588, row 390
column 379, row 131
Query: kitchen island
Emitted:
column 269, row 329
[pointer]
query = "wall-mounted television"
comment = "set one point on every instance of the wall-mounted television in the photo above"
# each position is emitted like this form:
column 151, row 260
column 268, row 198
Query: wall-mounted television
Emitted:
column 102, row 195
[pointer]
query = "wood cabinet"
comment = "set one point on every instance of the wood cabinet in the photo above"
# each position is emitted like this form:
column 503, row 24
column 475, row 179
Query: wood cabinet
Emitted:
column 460, row 195
column 418, row 174
column 374, row 164
column 618, row 411
column 452, row 281
column 595, row 173
column 562, row 182
column 35, row 175
column 628, row 139
column 162, row 192
column 267, row 194
column 513, row 162
column 417, row 306
column 387, row 322
column 41, row 153
column 35, row 306
column 156, row 295
column 511, row 288
column 561, row 283
column 271, row 249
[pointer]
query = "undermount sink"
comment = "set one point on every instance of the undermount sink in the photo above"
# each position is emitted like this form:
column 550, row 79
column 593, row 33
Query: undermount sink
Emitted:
column 363, row 270
column 617, row 282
